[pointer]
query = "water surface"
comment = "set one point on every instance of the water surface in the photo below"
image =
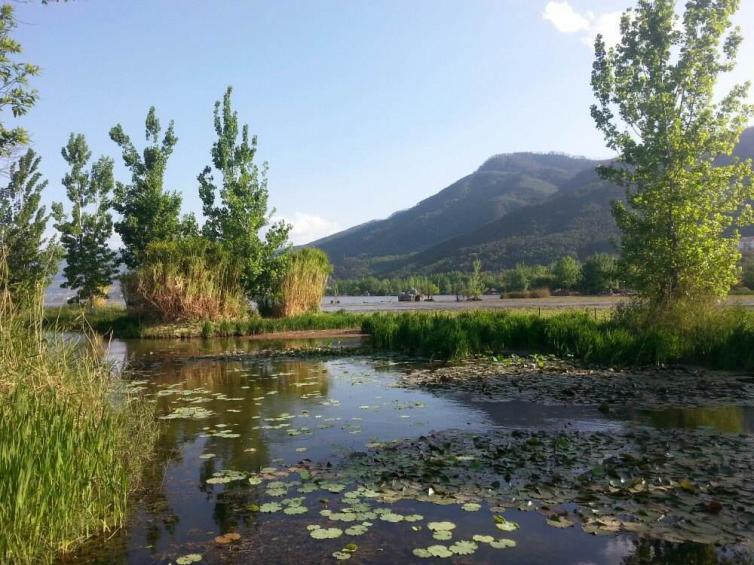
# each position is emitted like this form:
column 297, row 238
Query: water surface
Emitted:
column 270, row 414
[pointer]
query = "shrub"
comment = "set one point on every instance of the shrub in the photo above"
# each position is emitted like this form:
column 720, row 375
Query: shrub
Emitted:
column 188, row 280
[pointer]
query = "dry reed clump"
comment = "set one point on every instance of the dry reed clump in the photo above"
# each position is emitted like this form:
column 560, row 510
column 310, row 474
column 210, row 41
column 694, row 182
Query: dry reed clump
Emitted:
column 187, row 280
column 304, row 281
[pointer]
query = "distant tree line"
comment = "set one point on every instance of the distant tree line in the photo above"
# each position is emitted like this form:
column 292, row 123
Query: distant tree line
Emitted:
column 598, row 274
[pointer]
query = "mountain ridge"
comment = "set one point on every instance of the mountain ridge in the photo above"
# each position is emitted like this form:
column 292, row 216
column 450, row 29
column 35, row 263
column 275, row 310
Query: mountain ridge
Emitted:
column 515, row 207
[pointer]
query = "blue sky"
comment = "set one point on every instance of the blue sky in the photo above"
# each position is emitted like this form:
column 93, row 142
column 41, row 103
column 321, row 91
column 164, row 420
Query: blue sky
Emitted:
column 361, row 107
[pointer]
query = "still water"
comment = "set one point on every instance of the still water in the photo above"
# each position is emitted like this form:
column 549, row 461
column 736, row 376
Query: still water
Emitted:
column 237, row 429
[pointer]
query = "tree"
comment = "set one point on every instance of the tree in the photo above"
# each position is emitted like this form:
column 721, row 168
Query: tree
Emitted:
column 474, row 287
column 519, row 279
column 567, row 273
column 599, row 274
column 657, row 107
column 15, row 93
column 238, row 218
column 90, row 263
column 148, row 212
column 30, row 259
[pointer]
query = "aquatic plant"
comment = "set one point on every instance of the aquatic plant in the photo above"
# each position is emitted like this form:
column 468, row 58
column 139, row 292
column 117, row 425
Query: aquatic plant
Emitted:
column 718, row 338
column 73, row 440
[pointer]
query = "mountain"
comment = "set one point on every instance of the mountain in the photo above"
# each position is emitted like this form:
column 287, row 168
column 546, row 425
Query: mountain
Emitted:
column 520, row 207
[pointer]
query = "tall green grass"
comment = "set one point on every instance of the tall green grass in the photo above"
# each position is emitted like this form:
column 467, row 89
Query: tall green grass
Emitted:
column 719, row 338
column 72, row 440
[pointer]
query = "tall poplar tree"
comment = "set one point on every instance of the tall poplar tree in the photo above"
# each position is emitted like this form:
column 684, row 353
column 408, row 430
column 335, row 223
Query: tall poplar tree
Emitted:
column 30, row 258
column 148, row 212
column 657, row 107
column 15, row 93
column 90, row 263
column 236, row 211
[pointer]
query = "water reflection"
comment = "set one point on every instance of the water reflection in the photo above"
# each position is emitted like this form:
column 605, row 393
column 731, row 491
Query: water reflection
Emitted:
column 729, row 419
column 647, row 551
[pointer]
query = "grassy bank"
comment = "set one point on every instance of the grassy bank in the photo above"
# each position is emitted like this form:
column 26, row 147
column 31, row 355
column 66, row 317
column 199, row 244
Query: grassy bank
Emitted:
column 116, row 321
column 718, row 338
column 73, row 441
column 722, row 338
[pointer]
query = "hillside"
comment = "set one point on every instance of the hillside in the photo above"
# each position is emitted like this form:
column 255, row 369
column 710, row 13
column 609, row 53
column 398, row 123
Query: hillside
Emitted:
column 501, row 185
column 516, row 207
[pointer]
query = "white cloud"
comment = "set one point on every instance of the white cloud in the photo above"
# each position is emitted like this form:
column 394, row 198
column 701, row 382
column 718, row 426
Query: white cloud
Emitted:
column 566, row 19
column 608, row 24
column 308, row 227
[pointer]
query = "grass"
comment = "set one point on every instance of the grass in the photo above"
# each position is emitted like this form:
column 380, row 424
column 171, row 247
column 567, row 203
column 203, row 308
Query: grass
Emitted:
column 73, row 441
column 723, row 338
column 718, row 338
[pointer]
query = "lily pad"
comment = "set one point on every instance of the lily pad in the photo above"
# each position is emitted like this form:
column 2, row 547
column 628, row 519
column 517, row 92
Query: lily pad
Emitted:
column 463, row 547
column 326, row 533
column 503, row 543
column 438, row 526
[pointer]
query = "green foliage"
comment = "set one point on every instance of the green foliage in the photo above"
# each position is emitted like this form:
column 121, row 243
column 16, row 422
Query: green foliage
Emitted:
column 184, row 280
column 90, row 263
column 311, row 321
column 474, row 289
column 73, row 440
column 14, row 84
column 718, row 338
column 236, row 211
column 519, row 279
column 599, row 274
column 32, row 259
column 657, row 107
column 566, row 273
column 149, row 213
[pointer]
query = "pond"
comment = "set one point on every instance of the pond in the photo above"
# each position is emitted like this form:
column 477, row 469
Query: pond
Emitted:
column 282, row 458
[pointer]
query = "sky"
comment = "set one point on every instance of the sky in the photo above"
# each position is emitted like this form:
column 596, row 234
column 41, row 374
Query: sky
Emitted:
column 361, row 108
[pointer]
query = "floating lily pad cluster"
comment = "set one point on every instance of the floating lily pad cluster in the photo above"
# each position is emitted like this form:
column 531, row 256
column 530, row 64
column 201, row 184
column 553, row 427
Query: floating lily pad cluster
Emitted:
column 188, row 413
column 669, row 484
column 553, row 381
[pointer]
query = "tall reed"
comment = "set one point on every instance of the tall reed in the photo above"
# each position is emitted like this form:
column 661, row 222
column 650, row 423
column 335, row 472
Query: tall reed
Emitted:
column 187, row 280
column 304, row 281
column 72, row 440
